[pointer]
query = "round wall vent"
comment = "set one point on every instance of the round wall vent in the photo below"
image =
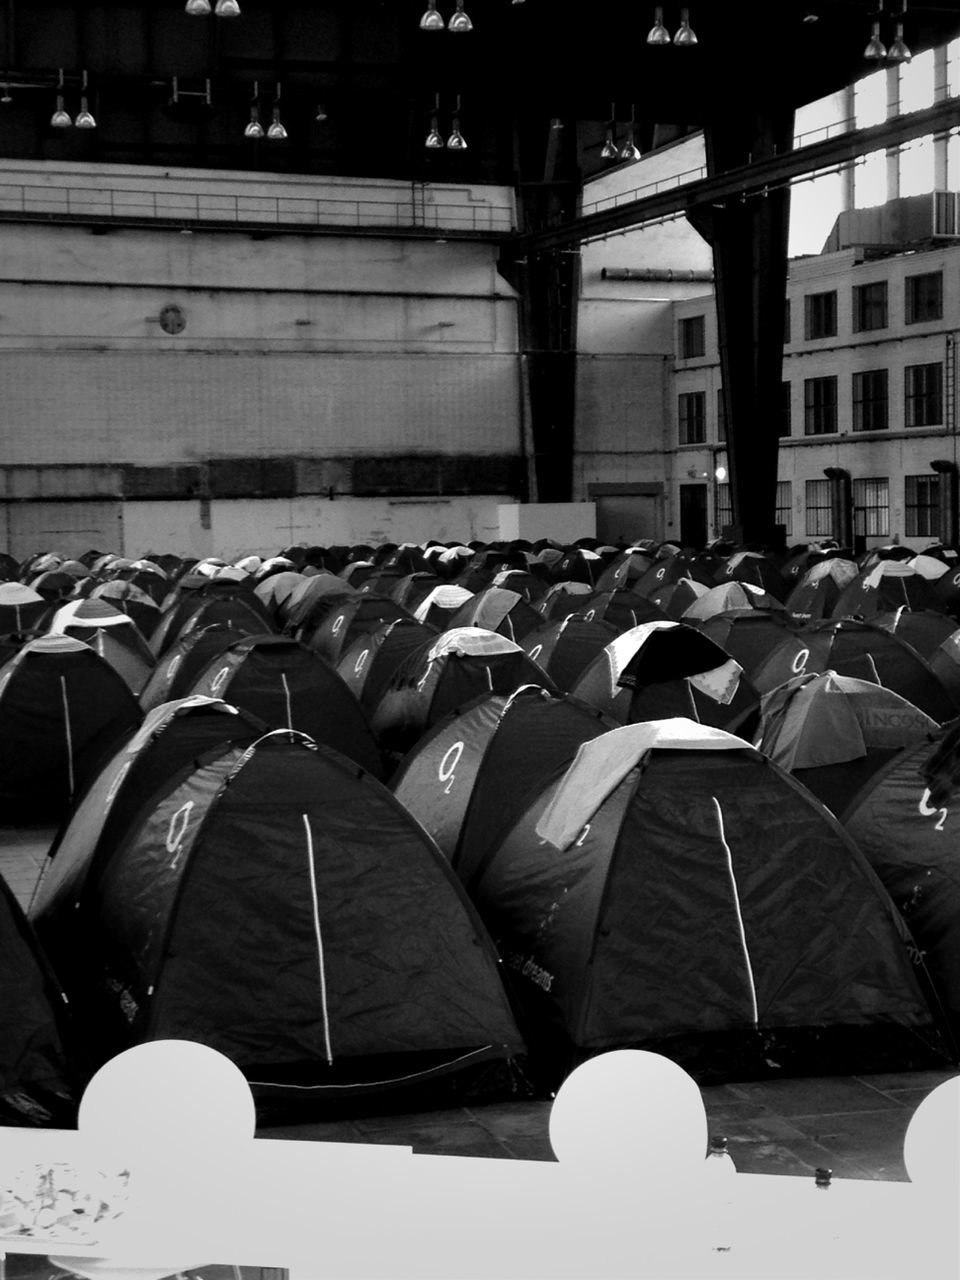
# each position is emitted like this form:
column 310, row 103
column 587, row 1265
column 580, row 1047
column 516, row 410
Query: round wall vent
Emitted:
column 172, row 318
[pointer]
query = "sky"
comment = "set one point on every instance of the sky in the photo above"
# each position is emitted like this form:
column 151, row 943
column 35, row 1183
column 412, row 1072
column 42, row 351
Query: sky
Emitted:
column 815, row 203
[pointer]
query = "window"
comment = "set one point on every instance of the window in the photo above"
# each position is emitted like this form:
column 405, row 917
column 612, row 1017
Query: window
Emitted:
column 692, row 417
column 819, row 406
column 692, row 337
column 784, row 514
column 871, row 508
column 786, row 416
column 923, row 395
column 786, row 322
column 923, row 297
column 870, row 306
column 870, row 400
column 819, row 509
column 820, row 315
column 721, row 415
column 723, row 514
column 921, row 505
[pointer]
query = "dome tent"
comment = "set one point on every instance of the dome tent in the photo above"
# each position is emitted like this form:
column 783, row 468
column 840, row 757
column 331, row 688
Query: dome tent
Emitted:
column 289, row 686
column 905, row 822
column 62, row 707
column 251, row 908
column 38, row 1082
column 498, row 741
column 675, row 890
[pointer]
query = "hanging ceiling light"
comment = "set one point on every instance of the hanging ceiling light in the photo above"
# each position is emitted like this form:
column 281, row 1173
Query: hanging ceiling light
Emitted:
column 685, row 36
column 5, row 97
column 198, row 8
column 84, row 118
column 630, row 150
column 609, row 149
column 459, row 19
column 321, row 113
column 876, row 49
column 431, row 20
column 456, row 141
column 61, row 118
column 658, row 33
column 898, row 51
column 227, row 9
column 276, row 132
column 434, row 139
column 254, row 128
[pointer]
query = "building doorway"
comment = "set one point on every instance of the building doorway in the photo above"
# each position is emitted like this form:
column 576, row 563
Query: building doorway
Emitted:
column 693, row 515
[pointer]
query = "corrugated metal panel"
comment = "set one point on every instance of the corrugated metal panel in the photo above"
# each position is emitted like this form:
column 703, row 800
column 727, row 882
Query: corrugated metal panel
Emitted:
column 139, row 407
column 70, row 528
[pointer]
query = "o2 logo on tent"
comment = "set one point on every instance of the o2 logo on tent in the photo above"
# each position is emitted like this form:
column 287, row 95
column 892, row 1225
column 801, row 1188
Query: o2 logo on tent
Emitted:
column 216, row 684
column 338, row 624
column 177, row 830
column 361, row 662
column 447, row 771
column 929, row 811
column 799, row 665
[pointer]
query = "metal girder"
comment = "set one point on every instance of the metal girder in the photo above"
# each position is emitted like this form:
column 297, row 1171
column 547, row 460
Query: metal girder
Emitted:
column 749, row 179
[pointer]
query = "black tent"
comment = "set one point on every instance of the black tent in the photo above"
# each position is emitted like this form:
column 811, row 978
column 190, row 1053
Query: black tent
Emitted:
column 493, row 749
column 367, row 665
column 179, row 667
column 289, row 686
column 61, row 708
column 905, row 822
column 279, row 905
column 565, row 648
column 38, row 1081
column 675, row 890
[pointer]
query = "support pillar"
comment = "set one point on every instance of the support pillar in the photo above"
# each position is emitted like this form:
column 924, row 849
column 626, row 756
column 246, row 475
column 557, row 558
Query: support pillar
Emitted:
column 749, row 241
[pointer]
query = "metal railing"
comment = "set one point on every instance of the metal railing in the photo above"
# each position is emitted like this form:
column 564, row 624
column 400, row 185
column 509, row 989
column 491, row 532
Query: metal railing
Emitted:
column 417, row 209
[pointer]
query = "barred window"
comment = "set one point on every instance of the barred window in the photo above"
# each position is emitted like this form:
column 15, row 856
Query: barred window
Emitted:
column 870, row 306
column 819, row 508
column 692, row 417
column 820, row 315
column 921, row 505
column 819, row 406
column 871, row 508
column 723, row 514
column 923, row 395
column 923, row 297
column 721, row 415
column 693, row 340
column 786, row 413
column 784, row 513
column 870, row 405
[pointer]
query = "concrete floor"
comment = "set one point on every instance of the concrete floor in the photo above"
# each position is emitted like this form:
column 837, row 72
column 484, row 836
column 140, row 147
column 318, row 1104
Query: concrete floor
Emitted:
column 854, row 1125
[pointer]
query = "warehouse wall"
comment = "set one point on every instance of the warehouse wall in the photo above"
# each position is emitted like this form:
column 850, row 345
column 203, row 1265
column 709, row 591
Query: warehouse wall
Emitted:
column 163, row 364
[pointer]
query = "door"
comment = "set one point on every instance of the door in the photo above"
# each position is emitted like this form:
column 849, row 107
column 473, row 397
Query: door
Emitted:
column 628, row 517
column 693, row 515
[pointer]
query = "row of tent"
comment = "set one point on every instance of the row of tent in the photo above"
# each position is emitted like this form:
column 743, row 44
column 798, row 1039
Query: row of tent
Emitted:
column 513, row 877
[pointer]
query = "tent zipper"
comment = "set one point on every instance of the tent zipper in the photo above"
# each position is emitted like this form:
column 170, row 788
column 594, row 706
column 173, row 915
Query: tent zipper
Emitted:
column 755, row 1014
column 319, row 938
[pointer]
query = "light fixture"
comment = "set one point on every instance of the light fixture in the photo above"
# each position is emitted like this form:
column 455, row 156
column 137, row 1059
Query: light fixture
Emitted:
column 609, row 149
column 198, row 8
column 227, row 9
column 456, row 141
column 5, row 97
column 876, row 49
column 431, row 20
column 459, row 20
column 321, row 114
column 898, row 51
column 434, row 140
column 61, row 118
column 630, row 150
column 276, row 132
column 84, row 118
column 658, row 33
column 685, row 36
column 254, row 128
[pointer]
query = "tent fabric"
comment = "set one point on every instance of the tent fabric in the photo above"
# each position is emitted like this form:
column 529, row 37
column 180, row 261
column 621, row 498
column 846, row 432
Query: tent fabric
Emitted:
column 713, row 911
column 368, row 664
column 173, row 676
column 280, row 935
column 289, row 686
column 38, row 1077
column 503, row 740
column 602, row 764
column 905, row 822
column 21, row 608
column 563, row 649
column 497, row 609
column 61, row 707
column 356, row 616
column 730, row 595
column 195, row 609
